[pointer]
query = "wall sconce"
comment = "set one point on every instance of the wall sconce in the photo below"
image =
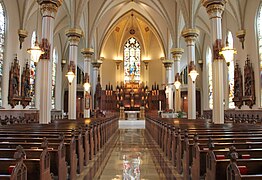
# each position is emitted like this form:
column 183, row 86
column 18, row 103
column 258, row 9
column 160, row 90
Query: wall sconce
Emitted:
column 87, row 84
column 118, row 62
column 63, row 63
column 200, row 62
column 71, row 72
column 146, row 61
column 192, row 71
column 177, row 81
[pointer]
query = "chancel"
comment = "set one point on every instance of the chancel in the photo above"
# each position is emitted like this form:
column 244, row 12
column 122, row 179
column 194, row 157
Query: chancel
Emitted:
column 130, row 89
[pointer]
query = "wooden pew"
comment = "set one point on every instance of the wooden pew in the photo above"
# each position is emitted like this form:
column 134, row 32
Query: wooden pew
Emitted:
column 217, row 168
column 15, row 168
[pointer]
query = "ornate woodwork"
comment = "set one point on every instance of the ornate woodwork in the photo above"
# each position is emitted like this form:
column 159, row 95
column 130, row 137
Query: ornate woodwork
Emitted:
column 98, row 94
column 25, row 86
column 14, row 83
column 238, row 87
column 249, row 81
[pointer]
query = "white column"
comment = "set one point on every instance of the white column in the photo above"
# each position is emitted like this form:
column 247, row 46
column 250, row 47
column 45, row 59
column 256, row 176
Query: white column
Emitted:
column 170, row 82
column 190, row 36
column 215, row 10
column 96, row 65
column 74, row 36
column 87, row 53
column 48, row 9
column 177, row 54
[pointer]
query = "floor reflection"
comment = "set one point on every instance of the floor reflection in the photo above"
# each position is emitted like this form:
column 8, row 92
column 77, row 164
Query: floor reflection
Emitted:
column 130, row 159
column 130, row 155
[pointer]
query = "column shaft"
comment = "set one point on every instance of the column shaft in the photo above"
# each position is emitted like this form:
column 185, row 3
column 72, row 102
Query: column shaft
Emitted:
column 48, row 9
column 190, row 36
column 215, row 9
column 74, row 36
column 87, row 53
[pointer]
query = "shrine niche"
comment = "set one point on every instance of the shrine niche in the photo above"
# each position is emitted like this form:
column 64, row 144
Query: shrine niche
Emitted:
column 238, row 87
column 14, row 83
column 98, row 94
column 25, row 86
column 249, row 84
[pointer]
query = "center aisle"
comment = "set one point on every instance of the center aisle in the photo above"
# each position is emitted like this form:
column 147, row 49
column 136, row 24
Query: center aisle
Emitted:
column 131, row 158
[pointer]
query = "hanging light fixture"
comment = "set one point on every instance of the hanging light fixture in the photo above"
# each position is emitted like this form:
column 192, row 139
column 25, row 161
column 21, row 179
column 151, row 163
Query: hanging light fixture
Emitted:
column 70, row 74
column 177, row 81
column 227, row 51
column 192, row 71
column 36, row 51
column 87, row 84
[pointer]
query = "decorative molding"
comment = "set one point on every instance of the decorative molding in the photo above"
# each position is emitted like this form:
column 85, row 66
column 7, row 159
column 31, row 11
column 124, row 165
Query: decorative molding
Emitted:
column 217, row 46
column 190, row 35
column 177, row 53
column 241, row 36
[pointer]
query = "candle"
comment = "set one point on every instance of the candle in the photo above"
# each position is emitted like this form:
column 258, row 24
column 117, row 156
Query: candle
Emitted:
column 159, row 105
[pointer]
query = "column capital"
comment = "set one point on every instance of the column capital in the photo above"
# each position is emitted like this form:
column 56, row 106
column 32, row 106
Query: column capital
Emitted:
column 167, row 63
column 87, row 52
column 190, row 35
column 74, row 35
column 214, row 7
column 97, row 63
column 49, row 5
column 22, row 35
column 177, row 53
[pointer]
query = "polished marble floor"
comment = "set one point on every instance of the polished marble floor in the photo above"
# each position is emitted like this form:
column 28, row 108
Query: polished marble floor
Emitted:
column 131, row 155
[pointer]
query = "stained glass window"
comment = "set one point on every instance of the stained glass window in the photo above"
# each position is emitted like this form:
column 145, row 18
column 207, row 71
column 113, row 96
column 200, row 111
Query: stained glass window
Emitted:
column 231, row 104
column 132, row 52
column 2, row 45
column 209, row 67
column 32, row 72
column 55, row 59
column 259, row 35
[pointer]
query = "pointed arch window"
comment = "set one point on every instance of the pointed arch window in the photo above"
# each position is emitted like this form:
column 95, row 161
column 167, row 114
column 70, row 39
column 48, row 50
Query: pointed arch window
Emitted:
column 55, row 59
column 2, row 44
column 32, row 72
column 210, row 86
column 231, row 68
column 132, row 51
column 259, row 35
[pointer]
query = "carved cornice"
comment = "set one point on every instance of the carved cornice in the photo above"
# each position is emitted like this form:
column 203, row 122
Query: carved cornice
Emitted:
column 87, row 52
column 190, row 35
column 214, row 7
column 177, row 53
column 74, row 35
column 49, row 5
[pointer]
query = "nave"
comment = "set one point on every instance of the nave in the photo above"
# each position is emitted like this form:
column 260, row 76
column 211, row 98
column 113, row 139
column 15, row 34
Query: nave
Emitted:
column 168, row 148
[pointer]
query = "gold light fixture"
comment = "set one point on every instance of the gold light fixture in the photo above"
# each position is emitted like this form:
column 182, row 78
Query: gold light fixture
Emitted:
column 36, row 51
column 146, row 61
column 118, row 62
column 70, row 74
column 192, row 71
column 177, row 83
column 228, row 52
column 87, row 84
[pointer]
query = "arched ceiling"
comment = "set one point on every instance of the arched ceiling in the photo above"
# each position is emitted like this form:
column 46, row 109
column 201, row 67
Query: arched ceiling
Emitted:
column 98, row 17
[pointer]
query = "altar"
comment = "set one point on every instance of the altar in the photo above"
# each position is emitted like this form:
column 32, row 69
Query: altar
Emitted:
column 132, row 115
